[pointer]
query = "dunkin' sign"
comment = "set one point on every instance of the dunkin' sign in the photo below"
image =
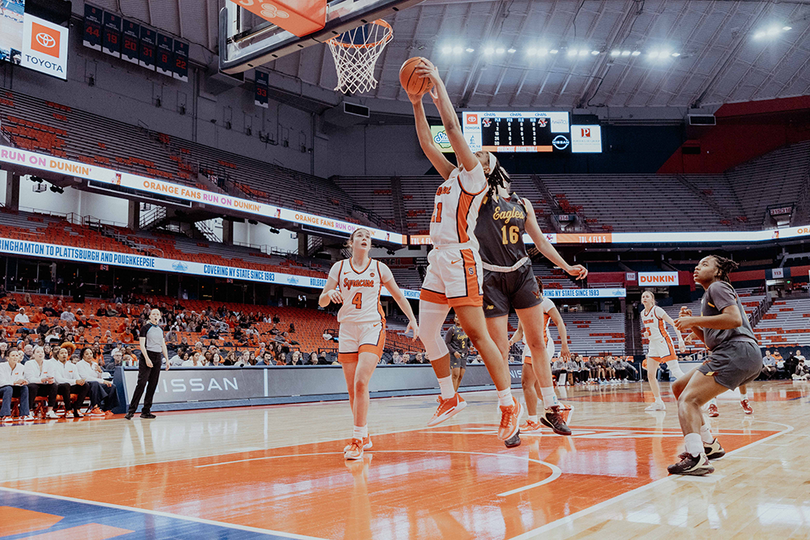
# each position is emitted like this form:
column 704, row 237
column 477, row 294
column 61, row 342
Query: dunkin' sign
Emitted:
column 658, row 279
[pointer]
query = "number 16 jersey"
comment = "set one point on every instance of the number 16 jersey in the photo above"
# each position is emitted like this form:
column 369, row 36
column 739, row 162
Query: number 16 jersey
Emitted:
column 500, row 228
column 360, row 289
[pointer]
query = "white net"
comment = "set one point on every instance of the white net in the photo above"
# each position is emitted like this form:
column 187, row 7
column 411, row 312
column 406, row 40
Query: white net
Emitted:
column 356, row 52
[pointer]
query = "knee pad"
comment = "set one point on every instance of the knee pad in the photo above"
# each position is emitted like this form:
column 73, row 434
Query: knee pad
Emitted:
column 431, row 319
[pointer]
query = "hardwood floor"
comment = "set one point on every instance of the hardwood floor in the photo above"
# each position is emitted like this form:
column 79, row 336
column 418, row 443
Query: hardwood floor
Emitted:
column 279, row 472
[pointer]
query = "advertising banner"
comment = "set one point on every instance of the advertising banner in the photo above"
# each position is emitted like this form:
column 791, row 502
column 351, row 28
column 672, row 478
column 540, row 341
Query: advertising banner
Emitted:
column 586, row 139
column 127, row 260
column 143, row 184
column 585, row 293
column 657, row 279
column 11, row 31
column 45, row 47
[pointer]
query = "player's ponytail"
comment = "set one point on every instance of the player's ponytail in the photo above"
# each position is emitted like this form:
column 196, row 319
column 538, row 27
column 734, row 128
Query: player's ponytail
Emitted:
column 725, row 267
column 497, row 176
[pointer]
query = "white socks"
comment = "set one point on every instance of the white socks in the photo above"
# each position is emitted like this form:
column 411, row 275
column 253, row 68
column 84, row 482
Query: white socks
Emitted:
column 693, row 444
column 549, row 397
column 360, row 432
column 505, row 398
column 706, row 434
column 675, row 369
column 446, row 386
column 533, row 419
column 743, row 396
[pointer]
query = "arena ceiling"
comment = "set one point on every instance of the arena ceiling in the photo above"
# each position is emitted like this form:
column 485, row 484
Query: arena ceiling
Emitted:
column 495, row 54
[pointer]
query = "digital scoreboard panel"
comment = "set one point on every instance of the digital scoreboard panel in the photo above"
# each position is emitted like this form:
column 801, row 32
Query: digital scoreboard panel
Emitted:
column 539, row 131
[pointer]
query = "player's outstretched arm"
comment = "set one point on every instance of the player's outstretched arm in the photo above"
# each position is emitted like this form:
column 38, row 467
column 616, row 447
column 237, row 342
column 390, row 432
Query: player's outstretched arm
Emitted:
column 330, row 292
column 449, row 118
column 432, row 152
column 557, row 319
column 545, row 247
column 390, row 283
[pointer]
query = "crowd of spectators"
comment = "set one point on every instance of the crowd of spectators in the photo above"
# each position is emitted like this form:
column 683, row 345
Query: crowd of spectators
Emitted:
column 775, row 366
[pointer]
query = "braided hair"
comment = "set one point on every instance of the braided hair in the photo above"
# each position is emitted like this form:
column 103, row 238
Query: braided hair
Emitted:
column 725, row 267
column 497, row 176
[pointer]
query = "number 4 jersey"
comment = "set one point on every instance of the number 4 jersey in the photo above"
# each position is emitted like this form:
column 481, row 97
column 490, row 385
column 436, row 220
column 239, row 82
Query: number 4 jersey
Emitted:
column 500, row 228
column 360, row 289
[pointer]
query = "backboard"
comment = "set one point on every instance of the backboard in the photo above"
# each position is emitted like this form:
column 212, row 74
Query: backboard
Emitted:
column 247, row 41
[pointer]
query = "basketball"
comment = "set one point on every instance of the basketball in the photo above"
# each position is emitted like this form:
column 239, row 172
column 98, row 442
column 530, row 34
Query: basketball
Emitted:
column 410, row 81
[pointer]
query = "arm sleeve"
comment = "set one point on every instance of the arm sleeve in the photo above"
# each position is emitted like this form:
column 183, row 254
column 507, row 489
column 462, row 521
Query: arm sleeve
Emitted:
column 473, row 181
column 722, row 295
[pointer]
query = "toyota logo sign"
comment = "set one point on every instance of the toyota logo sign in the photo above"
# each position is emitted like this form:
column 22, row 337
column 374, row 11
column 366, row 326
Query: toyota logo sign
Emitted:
column 46, row 40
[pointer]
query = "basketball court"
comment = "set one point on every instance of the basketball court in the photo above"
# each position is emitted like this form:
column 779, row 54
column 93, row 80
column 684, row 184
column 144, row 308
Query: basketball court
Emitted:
column 279, row 472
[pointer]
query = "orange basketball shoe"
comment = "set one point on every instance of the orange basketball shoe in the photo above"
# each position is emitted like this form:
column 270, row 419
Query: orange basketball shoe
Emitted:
column 447, row 409
column 367, row 444
column 713, row 412
column 746, row 407
column 355, row 450
column 530, row 426
column 510, row 418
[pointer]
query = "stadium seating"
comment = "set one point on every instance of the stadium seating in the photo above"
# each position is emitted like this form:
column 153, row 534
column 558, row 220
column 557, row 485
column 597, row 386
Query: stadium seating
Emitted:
column 786, row 324
column 310, row 324
column 43, row 126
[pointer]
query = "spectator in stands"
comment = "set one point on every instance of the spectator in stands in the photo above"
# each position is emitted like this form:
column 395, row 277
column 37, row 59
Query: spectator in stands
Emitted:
column 3, row 351
column 276, row 319
column 406, row 358
column 69, row 382
column 802, row 371
column 295, row 359
column 629, row 370
column 792, row 362
column 41, row 382
column 573, row 368
column 395, row 359
column 559, row 368
column 28, row 351
column 292, row 328
column 21, row 317
column 13, row 384
column 102, row 311
column 769, row 370
column 68, row 315
column 103, row 395
column 798, row 354
column 12, row 305
column 274, row 331
column 267, row 359
column 5, row 320
column 49, row 311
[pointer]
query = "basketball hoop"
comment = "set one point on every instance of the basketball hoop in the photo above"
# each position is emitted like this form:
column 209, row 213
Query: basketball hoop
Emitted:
column 356, row 52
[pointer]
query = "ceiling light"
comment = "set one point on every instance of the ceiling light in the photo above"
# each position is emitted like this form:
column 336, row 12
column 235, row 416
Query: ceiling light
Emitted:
column 531, row 52
column 500, row 50
column 489, row 51
column 594, row 53
column 583, row 52
column 636, row 53
column 447, row 50
column 759, row 35
column 665, row 54
column 572, row 52
column 458, row 50
column 772, row 31
column 543, row 52
column 470, row 50
column 512, row 51
column 675, row 55
column 786, row 28
column 653, row 54
column 553, row 51
column 615, row 52
column 625, row 53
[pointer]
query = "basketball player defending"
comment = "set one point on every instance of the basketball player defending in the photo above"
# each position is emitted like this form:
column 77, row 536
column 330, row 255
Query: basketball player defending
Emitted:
column 660, row 349
column 734, row 360
column 453, row 276
column 510, row 283
column 531, row 382
column 356, row 283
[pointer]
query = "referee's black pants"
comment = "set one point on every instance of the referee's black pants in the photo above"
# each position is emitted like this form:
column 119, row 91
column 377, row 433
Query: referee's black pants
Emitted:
column 148, row 380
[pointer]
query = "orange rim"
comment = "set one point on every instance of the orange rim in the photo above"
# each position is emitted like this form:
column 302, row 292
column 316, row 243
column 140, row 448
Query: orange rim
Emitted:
column 379, row 22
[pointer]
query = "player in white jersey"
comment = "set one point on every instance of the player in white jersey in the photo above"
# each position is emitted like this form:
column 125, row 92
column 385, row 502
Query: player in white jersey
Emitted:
column 660, row 349
column 454, row 274
column 356, row 283
column 529, row 379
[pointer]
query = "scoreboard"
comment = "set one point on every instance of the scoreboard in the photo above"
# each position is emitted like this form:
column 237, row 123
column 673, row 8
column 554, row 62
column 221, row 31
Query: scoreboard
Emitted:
column 539, row 131
column 135, row 43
